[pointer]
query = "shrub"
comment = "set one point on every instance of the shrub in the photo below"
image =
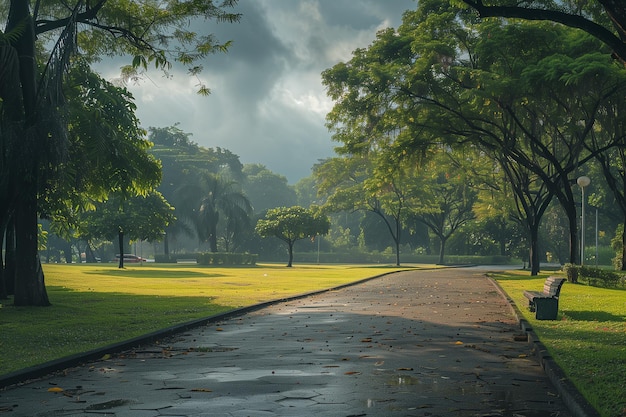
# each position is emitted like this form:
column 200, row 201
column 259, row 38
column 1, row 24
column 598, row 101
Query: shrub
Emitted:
column 209, row 258
column 593, row 276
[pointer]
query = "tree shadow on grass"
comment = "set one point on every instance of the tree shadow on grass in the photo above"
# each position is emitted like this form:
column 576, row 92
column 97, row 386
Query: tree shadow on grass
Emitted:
column 599, row 316
column 152, row 273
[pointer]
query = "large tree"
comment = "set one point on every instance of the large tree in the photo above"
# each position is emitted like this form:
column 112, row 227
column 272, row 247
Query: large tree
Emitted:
column 353, row 182
column 528, row 95
column 33, row 127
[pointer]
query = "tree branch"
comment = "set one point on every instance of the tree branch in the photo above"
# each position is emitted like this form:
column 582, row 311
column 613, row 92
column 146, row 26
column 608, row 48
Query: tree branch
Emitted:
column 598, row 31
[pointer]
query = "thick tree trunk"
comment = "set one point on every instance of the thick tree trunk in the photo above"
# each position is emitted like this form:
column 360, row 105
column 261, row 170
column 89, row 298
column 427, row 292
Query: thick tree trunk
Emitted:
column 533, row 255
column 574, row 247
column 30, row 289
column 3, row 285
column 9, row 257
column 442, row 250
column 90, row 257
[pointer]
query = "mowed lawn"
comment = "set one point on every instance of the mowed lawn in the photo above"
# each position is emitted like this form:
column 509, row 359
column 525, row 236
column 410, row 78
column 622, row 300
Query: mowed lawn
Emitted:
column 96, row 305
column 588, row 340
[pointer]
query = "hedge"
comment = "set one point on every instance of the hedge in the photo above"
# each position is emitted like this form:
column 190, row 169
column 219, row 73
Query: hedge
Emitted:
column 209, row 258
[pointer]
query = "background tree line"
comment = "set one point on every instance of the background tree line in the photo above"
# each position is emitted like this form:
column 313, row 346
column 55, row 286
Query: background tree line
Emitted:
column 452, row 128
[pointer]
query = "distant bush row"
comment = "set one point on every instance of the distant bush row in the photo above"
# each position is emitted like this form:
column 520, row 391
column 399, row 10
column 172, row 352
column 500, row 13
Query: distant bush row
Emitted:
column 209, row 258
column 358, row 257
column 596, row 277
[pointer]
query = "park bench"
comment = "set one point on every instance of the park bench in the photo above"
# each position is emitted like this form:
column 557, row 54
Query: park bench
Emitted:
column 545, row 304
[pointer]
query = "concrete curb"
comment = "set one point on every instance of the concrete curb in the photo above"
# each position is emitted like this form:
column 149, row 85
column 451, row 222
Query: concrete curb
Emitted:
column 34, row 372
column 573, row 399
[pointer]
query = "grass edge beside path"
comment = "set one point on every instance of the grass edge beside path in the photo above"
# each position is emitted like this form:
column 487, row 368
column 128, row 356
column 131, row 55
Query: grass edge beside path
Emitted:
column 588, row 339
column 94, row 306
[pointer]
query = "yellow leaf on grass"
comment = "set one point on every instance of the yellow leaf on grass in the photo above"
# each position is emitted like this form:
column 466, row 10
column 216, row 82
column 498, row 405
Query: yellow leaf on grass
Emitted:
column 55, row 389
column 458, row 342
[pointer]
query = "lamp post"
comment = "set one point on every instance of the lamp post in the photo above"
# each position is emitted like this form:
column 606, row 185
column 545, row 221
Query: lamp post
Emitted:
column 582, row 183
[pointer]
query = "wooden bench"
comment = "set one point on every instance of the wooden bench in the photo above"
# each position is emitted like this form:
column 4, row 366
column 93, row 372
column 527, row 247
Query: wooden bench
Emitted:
column 545, row 304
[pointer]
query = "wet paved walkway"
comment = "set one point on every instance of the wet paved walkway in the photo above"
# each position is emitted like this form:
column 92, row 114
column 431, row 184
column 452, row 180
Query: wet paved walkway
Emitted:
column 418, row 343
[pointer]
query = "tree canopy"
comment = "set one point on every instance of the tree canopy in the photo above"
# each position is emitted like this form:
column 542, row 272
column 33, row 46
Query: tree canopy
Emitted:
column 291, row 224
column 529, row 96
column 603, row 19
column 38, row 46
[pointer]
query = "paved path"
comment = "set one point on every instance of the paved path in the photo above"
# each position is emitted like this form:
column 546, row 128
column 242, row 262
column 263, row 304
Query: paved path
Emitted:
column 419, row 343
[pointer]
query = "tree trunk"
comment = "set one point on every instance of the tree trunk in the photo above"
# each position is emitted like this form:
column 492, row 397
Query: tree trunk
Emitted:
column 67, row 252
column 624, row 247
column 9, row 257
column 533, row 256
column 30, row 289
column 213, row 242
column 290, row 245
column 572, row 219
column 120, row 241
column 397, row 239
column 212, row 235
column 3, row 285
column 90, row 257
column 442, row 249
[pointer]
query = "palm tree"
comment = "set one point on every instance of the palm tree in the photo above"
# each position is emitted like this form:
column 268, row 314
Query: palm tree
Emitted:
column 209, row 198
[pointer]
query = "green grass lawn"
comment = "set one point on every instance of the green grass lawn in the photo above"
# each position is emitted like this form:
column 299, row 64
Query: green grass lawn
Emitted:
column 96, row 305
column 588, row 340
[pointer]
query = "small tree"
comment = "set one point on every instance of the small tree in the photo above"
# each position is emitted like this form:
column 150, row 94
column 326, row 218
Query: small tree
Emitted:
column 290, row 224
column 134, row 218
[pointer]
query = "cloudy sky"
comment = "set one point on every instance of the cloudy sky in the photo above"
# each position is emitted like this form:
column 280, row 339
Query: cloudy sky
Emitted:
column 268, row 104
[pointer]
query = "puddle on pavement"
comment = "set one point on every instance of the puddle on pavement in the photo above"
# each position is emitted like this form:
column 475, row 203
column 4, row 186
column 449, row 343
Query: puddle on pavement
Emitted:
column 238, row 374
column 403, row 380
column 108, row 405
column 436, row 385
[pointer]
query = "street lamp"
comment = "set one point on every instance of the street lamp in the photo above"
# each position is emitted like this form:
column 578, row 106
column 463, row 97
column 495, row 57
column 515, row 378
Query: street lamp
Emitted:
column 582, row 183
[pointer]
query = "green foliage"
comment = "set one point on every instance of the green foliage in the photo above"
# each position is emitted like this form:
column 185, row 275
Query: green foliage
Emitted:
column 617, row 243
column 266, row 189
column 291, row 224
column 597, row 277
column 140, row 218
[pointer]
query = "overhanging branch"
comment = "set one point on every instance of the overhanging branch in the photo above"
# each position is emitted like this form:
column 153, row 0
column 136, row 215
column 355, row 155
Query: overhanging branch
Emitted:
column 598, row 31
